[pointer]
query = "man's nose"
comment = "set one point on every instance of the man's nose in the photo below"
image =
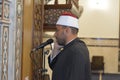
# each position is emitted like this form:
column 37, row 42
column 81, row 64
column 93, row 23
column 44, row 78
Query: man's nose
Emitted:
column 54, row 34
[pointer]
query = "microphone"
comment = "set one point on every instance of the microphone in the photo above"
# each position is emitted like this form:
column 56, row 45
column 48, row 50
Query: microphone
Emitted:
column 42, row 45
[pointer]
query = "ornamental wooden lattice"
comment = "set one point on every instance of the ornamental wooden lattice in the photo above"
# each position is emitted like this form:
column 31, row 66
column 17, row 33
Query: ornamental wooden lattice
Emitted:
column 53, row 11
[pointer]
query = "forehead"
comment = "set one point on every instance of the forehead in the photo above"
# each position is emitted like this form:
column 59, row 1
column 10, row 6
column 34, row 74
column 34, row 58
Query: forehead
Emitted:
column 59, row 27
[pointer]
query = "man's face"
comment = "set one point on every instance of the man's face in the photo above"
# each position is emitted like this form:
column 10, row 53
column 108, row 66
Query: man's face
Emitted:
column 60, row 35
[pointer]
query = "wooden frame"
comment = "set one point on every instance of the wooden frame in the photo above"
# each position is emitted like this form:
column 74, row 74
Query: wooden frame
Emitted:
column 57, row 7
column 0, row 10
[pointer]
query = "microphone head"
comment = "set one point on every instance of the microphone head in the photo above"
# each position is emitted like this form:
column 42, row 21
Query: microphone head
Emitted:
column 49, row 41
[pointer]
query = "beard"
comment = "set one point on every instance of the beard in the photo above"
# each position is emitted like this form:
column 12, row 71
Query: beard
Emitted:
column 61, row 40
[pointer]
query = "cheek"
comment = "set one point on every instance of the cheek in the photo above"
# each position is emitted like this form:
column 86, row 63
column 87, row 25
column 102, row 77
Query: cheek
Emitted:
column 56, row 35
column 64, row 34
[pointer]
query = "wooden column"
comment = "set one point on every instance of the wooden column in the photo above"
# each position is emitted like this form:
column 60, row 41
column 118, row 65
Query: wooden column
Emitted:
column 27, row 40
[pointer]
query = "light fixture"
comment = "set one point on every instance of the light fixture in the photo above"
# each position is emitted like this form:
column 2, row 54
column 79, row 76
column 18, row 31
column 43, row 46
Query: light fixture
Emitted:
column 98, row 4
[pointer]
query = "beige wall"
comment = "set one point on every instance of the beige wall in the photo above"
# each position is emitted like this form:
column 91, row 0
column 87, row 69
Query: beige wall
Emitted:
column 27, row 39
column 100, row 20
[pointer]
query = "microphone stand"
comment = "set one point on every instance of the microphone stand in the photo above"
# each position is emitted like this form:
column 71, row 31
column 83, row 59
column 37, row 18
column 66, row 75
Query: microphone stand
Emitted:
column 44, row 70
column 36, row 70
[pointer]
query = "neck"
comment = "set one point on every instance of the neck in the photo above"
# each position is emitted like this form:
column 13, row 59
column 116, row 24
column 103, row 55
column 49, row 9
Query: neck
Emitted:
column 70, row 39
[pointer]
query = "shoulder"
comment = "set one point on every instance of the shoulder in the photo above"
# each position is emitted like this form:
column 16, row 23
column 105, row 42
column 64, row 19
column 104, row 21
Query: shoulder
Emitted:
column 79, row 43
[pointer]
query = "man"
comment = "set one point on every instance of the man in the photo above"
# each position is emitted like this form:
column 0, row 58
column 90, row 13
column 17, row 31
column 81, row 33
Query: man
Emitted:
column 70, row 57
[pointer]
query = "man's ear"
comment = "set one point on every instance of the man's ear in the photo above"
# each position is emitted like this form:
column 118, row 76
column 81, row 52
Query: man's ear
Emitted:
column 67, row 31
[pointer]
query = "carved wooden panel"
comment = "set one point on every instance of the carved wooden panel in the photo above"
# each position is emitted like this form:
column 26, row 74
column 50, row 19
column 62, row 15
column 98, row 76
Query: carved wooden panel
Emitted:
column 0, row 51
column 0, row 10
column 51, row 14
column 4, row 38
column 18, row 40
column 5, row 48
column 5, row 10
column 37, row 38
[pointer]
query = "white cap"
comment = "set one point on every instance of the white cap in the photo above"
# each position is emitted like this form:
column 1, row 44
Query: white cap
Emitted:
column 68, row 19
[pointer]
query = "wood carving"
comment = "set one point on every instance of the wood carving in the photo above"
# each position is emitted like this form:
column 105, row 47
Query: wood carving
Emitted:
column 53, row 11
column 76, row 8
